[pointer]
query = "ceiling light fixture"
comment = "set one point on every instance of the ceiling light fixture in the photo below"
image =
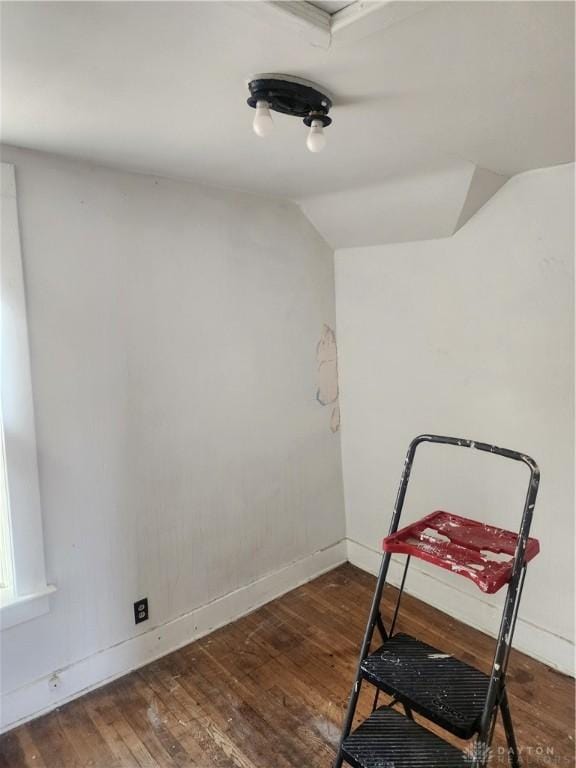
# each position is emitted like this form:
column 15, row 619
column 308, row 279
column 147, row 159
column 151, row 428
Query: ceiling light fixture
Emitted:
column 290, row 96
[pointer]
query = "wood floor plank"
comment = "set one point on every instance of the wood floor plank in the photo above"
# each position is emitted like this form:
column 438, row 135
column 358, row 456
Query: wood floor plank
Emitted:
column 109, row 731
column 113, row 715
column 11, row 752
column 238, row 722
column 53, row 742
column 29, row 749
column 280, row 720
column 270, row 691
column 86, row 739
column 205, row 742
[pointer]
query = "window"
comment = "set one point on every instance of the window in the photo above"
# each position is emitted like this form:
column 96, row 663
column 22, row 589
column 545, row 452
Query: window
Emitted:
column 6, row 575
column 24, row 591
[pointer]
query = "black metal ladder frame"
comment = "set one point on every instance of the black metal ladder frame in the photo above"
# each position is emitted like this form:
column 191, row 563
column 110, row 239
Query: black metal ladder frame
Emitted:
column 496, row 697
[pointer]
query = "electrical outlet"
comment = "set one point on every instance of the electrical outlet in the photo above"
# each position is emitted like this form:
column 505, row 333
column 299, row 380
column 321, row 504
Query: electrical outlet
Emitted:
column 141, row 610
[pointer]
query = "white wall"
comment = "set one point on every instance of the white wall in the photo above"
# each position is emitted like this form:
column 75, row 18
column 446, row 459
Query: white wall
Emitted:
column 182, row 453
column 468, row 336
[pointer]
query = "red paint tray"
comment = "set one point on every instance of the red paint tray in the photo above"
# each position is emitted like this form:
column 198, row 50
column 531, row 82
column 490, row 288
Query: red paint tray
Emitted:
column 482, row 553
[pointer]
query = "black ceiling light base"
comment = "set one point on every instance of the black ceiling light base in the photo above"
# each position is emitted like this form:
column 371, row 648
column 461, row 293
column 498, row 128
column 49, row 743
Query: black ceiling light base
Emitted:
column 291, row 96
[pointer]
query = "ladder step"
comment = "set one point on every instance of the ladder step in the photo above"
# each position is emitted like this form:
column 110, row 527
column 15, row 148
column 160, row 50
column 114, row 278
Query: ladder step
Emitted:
column 482, row 553
column 387, row 738
column 443, row 689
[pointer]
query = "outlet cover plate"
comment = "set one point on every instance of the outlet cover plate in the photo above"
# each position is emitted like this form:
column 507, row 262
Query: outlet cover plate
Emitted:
column 141, row 610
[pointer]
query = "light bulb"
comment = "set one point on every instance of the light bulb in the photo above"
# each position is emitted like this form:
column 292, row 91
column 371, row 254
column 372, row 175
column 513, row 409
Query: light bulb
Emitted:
column 263, row 124
column 316, row 140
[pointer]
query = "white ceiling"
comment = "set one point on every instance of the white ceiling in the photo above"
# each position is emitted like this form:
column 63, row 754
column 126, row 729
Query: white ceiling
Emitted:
column 161, row 87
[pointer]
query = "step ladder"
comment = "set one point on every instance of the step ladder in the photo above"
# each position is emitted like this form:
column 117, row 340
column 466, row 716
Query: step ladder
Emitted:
column 455, row 696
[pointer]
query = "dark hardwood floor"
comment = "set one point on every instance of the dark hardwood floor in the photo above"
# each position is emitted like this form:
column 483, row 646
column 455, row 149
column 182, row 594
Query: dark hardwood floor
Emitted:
column 269, row 691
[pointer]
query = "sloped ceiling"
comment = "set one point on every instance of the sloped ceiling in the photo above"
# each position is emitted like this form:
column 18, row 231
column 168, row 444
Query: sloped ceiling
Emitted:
column 331, row 6
column 436, row 103
column 424, row 206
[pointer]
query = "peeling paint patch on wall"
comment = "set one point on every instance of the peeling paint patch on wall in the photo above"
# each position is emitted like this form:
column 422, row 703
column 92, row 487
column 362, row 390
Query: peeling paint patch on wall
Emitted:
column 326, row 355
column 335, row 418
column 327, row 358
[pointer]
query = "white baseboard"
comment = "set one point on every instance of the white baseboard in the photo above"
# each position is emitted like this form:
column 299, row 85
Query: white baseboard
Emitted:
column 37, row 697
column 537, row 642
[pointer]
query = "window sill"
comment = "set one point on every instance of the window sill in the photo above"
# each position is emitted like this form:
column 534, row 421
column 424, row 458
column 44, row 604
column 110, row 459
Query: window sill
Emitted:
column 15, row 610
